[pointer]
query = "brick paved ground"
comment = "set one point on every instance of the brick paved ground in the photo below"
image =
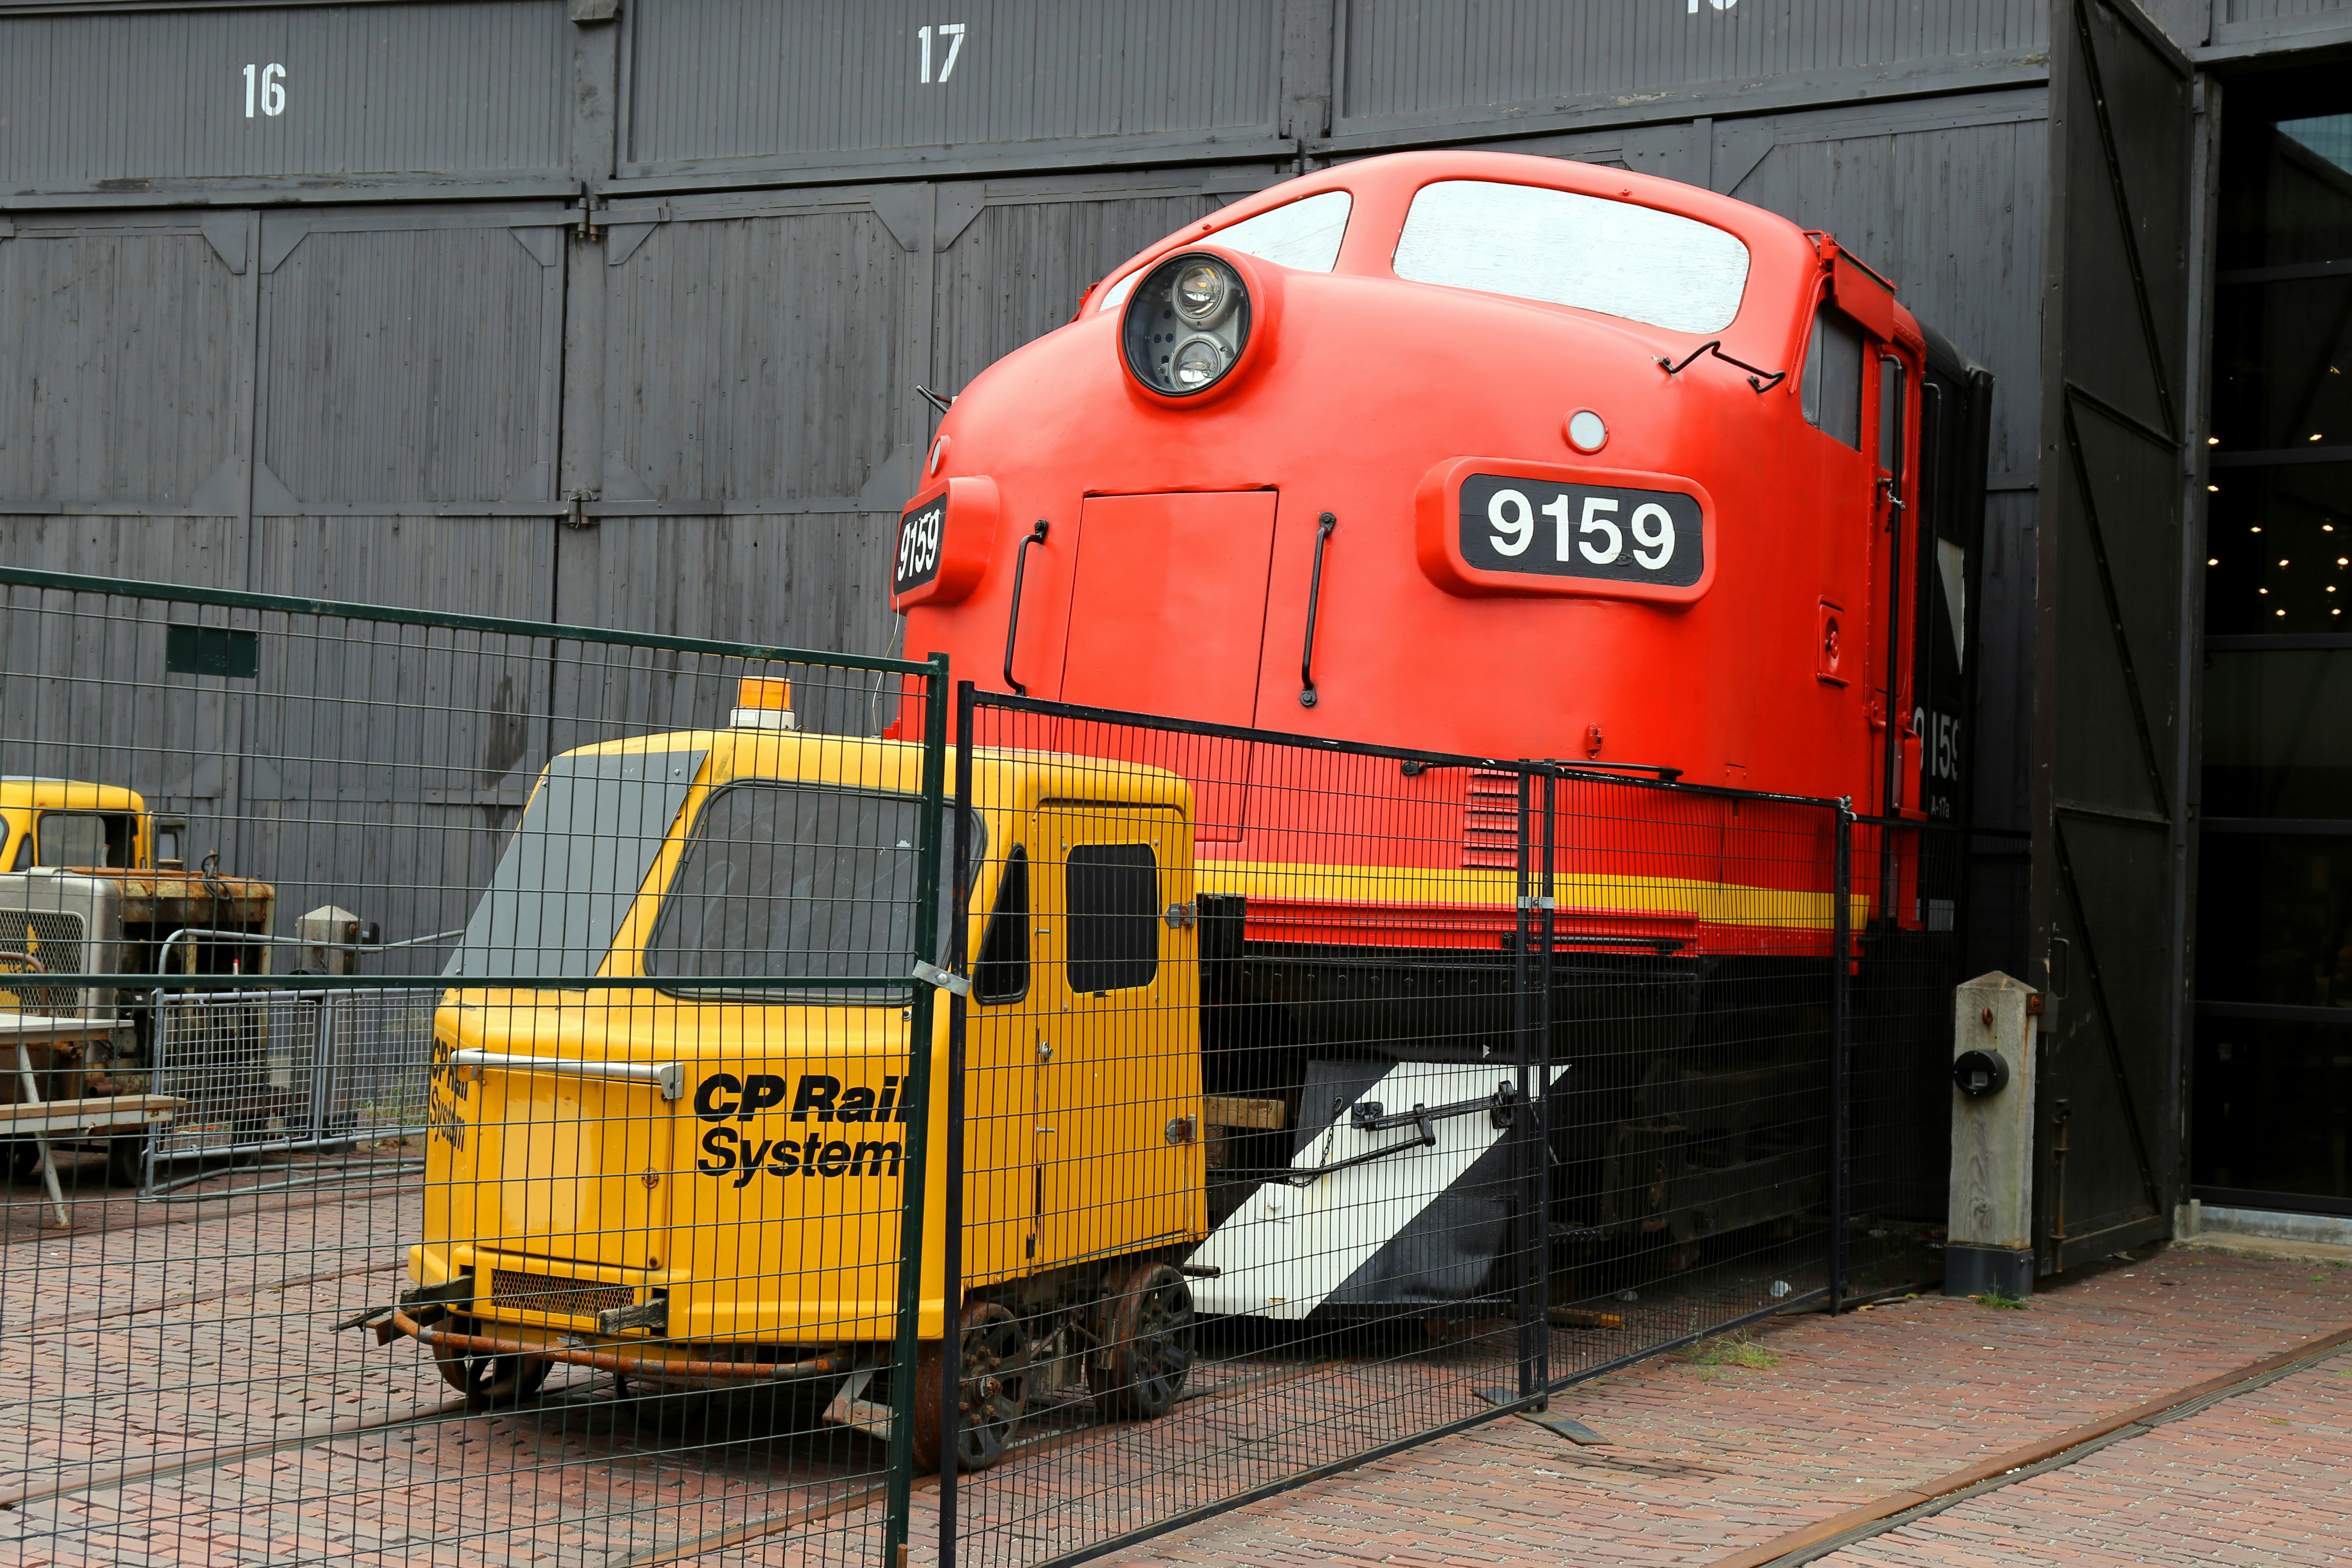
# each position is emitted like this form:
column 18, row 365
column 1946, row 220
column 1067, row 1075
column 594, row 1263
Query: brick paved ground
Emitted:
column 195, row 1341
column 1708, row 1459
column 2266, row 1477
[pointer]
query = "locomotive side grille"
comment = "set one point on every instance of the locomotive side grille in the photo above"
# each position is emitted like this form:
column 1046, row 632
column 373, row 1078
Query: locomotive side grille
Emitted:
column 553, row 1294
column 1490, row 821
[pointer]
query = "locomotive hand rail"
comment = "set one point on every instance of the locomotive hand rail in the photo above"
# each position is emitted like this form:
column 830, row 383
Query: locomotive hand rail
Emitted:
column 1323, row 527
column 1770, row 378
column 1012, row 621
column 1371, row 1116
column 668, row 1077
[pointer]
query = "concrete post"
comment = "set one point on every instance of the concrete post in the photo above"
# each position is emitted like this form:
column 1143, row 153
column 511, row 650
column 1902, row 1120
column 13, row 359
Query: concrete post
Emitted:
column 331, row 926
column 1990, row 1245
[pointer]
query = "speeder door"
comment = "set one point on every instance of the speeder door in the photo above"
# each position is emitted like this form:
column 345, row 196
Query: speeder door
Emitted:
column 1167, row 615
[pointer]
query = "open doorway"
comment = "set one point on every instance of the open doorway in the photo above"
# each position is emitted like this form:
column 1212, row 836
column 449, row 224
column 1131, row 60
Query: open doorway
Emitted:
column 2271, row 1102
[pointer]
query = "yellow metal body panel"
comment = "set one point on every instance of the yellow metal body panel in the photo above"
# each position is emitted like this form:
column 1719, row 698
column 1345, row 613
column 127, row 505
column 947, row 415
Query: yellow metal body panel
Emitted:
column 1125, row 1059
column 766, row 1197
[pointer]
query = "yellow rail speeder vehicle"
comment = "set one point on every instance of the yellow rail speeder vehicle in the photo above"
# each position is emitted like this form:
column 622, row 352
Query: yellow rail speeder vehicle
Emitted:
column 689, row 1186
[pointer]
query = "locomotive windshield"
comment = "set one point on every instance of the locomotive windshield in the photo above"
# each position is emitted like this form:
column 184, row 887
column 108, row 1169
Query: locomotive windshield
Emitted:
column 1656, row 268
column 1303, row 235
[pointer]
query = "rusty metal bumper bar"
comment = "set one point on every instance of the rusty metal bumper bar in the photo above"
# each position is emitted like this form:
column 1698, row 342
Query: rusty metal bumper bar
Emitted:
column 634, row 1358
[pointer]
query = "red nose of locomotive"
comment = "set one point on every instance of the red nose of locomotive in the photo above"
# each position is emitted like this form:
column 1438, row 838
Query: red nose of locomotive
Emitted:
column 1533, row 443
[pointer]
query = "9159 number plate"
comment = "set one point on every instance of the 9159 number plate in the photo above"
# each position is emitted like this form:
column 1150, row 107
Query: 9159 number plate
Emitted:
column 921, row 531
column 1547, row 528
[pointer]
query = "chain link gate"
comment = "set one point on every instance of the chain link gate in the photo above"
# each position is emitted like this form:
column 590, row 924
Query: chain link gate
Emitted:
column 385, row 991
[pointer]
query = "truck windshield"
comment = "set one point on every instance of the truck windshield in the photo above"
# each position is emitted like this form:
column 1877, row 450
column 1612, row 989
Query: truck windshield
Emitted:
column 796, row 881
column 84, row 838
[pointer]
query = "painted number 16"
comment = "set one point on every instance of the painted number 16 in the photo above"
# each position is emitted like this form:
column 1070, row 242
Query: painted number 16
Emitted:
column 271, row 80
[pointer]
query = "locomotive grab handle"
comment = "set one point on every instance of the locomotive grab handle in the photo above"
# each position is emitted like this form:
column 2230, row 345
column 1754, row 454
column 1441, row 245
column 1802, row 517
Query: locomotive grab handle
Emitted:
column 1323, row 527
column 1012, row 621
column 1772, row 378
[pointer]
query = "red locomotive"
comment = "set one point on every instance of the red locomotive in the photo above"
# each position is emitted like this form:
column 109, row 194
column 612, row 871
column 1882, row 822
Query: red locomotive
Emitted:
column 1614, row 470
column 1504, row 457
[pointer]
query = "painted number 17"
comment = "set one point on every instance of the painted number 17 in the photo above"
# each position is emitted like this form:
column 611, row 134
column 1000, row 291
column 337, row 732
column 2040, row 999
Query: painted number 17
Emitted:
column 271, row 80
column 951, row 34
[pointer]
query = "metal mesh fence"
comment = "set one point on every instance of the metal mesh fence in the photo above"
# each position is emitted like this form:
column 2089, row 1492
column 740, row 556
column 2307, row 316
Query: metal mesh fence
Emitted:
column 1314, row 1097
column 478, row 1092
column 384, row 993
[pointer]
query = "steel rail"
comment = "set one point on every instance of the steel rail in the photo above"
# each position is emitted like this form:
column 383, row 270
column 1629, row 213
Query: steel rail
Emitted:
column 2024, row 1462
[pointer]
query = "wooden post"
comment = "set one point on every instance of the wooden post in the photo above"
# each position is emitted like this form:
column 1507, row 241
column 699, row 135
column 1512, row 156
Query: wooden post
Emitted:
column 1990, row 1245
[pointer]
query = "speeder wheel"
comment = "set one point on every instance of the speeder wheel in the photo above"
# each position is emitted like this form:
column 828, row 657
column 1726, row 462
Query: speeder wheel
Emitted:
column 1148, row 1343
column 492, row 1382
column 994, row 1388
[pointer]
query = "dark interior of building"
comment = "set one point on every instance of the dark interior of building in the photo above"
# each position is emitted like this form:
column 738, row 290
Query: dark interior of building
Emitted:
column 2271, row 1099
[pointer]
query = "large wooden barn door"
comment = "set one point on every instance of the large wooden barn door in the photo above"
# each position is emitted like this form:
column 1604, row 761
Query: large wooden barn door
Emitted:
column 2109, row 792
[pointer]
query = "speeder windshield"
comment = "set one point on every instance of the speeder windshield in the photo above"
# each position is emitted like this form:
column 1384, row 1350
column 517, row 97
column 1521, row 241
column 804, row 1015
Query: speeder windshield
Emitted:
column 795, row 882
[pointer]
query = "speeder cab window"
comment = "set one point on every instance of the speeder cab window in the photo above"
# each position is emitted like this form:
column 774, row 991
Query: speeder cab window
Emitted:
column 1303, row 236
column 1114, row 904
column 1656, row 268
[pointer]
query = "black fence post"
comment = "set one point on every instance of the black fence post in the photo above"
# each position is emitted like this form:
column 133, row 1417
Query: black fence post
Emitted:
column 1531, row 1238
column 899, row 1484
column 1549, row 904
column 952, row 1156
column 1841, row 1030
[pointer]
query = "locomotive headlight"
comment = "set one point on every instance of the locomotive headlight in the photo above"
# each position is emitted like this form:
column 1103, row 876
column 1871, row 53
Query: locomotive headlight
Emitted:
column 1202, row 293
column 1186, row 324
column 1198, row 361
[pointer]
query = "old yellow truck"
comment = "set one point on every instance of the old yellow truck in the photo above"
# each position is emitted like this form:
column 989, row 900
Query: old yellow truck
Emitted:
column 93, row 882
